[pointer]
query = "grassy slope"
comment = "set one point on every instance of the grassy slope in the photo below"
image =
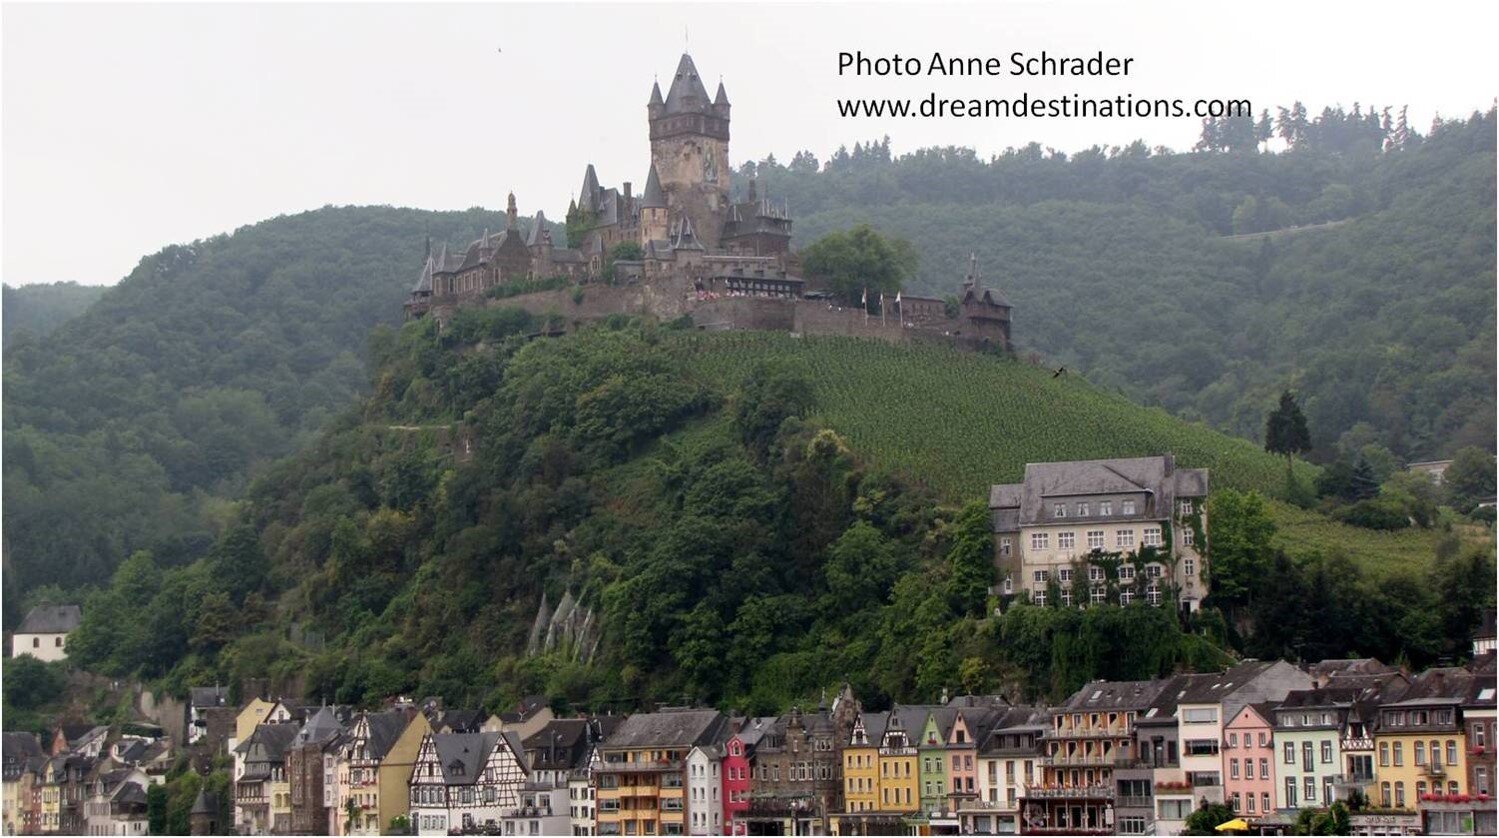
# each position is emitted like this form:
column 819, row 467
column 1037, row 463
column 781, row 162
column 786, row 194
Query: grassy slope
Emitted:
column 960, row 421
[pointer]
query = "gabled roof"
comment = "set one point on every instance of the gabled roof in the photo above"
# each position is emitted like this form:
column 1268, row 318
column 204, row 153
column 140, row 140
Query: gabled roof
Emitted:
column 322, row 728
column 667, row 729
column 1158, row 478
column 462, row 755
column 268, row 743
column 687, row 94
column 385, row 728
column 537, row 226
column 51, row 619
column 1214, row 687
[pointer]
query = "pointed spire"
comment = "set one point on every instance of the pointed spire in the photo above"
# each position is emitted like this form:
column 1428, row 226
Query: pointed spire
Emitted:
column 589, row 199
column 537, row 228
column 653, row 197
column 687, row 94
column 656, row 94
column 510, row 213
column 722, row 98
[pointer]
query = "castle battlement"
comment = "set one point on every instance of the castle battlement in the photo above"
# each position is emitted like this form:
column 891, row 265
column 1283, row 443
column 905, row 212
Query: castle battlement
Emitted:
column 699, row 250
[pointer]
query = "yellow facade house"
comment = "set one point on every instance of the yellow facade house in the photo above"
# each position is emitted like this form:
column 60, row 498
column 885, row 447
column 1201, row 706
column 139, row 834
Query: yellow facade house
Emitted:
column 641, row 771
column 1420, row 746
column 395, row 771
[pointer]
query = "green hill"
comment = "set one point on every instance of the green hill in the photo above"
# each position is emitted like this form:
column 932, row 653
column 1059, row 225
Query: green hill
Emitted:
column 37, row 310
column 743, row 518
column 155, row 407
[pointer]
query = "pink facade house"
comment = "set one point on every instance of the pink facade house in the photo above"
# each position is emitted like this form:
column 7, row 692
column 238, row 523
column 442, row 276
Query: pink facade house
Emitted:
column 737, row 754
column 1249, row 761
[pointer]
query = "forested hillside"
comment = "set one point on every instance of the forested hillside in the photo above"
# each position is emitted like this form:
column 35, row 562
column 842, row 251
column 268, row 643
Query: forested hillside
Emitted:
column 135, row 424
column 1119, row 264
column 741, row 539
column 154, row 408
column 36, row 310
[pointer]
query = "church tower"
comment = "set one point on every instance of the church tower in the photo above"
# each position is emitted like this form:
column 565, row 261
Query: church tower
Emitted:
column 690, row 151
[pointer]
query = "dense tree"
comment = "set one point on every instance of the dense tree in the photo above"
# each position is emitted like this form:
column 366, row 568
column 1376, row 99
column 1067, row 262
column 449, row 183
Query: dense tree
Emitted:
column 860, row 264
column 1470, row 478
column 1240, row 546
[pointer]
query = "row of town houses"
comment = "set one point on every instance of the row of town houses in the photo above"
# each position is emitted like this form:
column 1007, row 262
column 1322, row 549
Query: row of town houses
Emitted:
column 1411, row 754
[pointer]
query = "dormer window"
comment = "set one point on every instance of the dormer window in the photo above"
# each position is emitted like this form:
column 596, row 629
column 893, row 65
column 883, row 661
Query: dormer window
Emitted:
column 1105, row 507
column 1082, row 509
column 1060, row 510
column 1126, row 507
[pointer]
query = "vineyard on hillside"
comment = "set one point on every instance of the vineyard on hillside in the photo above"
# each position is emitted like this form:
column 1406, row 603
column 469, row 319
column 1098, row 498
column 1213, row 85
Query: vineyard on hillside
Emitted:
column 958, row 422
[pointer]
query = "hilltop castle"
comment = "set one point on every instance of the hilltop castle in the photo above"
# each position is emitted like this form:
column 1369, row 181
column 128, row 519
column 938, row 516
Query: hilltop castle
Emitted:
column 726, row 263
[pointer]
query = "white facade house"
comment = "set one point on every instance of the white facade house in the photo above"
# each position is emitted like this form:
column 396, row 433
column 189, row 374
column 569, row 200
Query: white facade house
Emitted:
column 705, row 790
column 1057, row 533
column 44, row 632
column 465, row 781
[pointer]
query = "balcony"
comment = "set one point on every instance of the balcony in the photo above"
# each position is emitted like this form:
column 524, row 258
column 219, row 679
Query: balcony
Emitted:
column 1105, row 760
column 1068, row 793
column 1352, row 780
column 1101, row 732
column 1435, row 769
column 1134, row 802
column 1358, row 743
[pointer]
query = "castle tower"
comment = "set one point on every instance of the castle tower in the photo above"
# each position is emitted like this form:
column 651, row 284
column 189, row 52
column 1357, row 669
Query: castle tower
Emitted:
column 653, row 213
column 510, row 213
column 690, row 150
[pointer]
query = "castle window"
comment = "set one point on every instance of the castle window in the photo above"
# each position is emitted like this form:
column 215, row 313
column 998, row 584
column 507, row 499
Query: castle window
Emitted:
column 1151, row 537
column 1126, row 573
column 1095, row 539
column 1066, row 540
column 1189, row 567
column 1065, row 574
column 1187, row 537
column 1124, row 538
column 1040, row 540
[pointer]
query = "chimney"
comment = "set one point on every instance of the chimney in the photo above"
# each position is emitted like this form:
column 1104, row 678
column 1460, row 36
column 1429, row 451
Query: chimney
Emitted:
column 627, row 192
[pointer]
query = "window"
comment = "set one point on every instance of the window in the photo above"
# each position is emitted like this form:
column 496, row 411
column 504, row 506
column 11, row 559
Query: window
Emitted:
column 1290, row 754
column 1082, row 509
column 1233, row 740
column 1151, row 537
column 1384, row 755
column 1251, row 802
column 1066, row 596
column 1095, row 539
column 1420, row 753
column 1105, row 507
column 1399, row 795
column 1005, row 546
column 1040, row 575
column 1187, row 537
column 1040, row 540
column 1309, row 786
column 1264, row 769
column 1233, row 769
column 1124, row 538
column 1265, row 800
column 36, row 643
column 1326, row 751
column 1126, row 507
column 1126, row 597
column 1066, row 540
column 1039, row 597
column 1306, row 756
column 1098, row 594
column 1064, row 574
column 1399, row 755
column 1059, row 511
column 1153, row 571
column 1186, row 507
column 1452, row 752
column 1153, row 594
column 1095, row 573
column 1291, row 792
column 1126, row 573
column 1009, row 586
column 1189, row 567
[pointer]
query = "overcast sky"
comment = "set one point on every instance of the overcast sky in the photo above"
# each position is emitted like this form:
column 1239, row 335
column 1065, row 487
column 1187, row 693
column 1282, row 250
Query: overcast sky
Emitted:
column 127, row 128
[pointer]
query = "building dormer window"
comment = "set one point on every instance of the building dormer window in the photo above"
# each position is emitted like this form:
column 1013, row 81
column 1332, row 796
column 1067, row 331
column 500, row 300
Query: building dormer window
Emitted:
column 1126, row 507
column 1105, row 507
column 1082, row 509
column 1059, row 511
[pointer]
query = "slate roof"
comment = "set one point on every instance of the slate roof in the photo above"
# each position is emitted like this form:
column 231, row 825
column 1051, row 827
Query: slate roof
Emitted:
column 205, row 803
column 51, row 619
column 18, row 748
column 267, row 745
column 1115, row 695
column 1157, row 478
column 754, row 729
column 1214, row 687
column 667, row 729
column 131, row 794
column 462, row 720
column 533, row 238
column 208, row 696
column 686, row 94
column 558, row 746
column 385, row 729
column 653, row 197
column 462, row 755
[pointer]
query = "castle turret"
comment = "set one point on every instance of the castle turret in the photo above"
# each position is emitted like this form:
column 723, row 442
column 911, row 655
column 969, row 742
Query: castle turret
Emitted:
column 721, row 102
column 588, row 196
column 510, row 213
column 653, row 214
column 654, row 107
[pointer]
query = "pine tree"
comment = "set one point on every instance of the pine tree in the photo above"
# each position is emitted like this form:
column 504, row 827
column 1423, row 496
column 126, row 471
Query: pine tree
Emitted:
column 1285, row 429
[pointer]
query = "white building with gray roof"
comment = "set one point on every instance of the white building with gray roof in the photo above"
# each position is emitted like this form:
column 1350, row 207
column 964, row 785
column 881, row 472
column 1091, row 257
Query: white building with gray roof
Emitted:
column 1097, row 531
